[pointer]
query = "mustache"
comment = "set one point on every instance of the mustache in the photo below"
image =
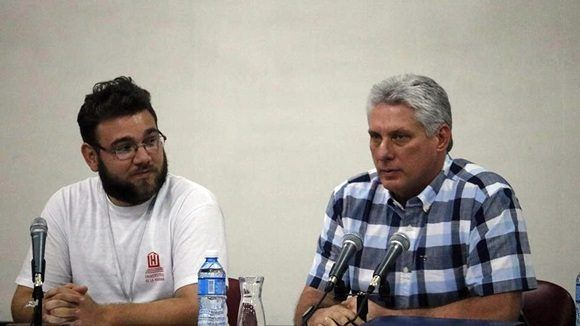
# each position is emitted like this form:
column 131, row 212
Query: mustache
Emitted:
column 142, row 169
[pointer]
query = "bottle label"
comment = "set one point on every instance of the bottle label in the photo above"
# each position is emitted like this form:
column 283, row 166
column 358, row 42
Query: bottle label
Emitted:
column 578, row 291
column 211, row 286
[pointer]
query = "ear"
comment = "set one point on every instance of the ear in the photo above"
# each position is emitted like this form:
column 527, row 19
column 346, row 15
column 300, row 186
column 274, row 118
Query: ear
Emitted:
column 90, row 156
column 443, row 137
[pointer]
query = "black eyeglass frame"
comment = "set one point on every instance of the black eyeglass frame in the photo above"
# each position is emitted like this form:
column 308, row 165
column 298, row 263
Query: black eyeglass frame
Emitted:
column 135, row 147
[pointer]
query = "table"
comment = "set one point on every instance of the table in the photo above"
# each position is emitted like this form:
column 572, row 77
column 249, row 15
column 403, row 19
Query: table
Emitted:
column 424, row 321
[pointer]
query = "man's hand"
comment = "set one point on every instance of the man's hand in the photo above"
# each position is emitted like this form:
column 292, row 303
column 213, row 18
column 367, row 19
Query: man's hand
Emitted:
column 62, row 304
column 91, row 313
column 331, row 311
column 338, row 314
column 71, row 304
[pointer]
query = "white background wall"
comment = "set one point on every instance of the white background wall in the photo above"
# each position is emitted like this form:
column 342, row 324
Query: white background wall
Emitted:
column 263, row 103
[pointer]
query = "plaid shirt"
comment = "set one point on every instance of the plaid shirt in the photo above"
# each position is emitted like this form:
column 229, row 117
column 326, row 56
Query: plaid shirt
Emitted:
column 466, row 231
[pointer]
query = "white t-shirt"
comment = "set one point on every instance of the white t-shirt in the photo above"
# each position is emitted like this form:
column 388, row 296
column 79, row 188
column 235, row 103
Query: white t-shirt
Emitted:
column 129, row 254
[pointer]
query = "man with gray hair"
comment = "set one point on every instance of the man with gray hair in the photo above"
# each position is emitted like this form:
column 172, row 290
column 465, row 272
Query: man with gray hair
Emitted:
column 468, row 253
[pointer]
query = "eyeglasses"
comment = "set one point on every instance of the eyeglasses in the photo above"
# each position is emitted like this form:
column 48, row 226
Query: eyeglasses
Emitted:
column 128, row 149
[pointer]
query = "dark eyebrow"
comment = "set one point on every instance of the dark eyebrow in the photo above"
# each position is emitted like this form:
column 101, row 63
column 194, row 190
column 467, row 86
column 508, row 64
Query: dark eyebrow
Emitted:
column 150, row 131
column 399, row 131
column 147, row 133
column 122, row 140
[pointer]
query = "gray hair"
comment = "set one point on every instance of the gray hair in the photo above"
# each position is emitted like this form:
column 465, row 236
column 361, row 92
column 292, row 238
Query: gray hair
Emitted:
column 420, row 93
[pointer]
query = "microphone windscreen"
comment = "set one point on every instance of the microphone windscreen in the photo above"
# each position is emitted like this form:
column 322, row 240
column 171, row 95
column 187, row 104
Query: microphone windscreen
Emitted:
column 353, row 238
column 38, row 225
column 402, row 239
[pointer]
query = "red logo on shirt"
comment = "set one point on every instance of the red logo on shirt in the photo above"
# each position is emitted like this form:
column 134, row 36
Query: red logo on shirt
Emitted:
column 152, row 259
column 154, row 272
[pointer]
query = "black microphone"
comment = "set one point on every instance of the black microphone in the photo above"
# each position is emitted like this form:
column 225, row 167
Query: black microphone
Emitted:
column 38, row 231
column 399, row 242
column 351, row 243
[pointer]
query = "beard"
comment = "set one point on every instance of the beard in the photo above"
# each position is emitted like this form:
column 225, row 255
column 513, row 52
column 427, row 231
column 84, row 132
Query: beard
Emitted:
column 131, row 193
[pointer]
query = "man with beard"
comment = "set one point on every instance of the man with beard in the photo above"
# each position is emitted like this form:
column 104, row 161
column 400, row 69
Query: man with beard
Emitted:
column 124, row 247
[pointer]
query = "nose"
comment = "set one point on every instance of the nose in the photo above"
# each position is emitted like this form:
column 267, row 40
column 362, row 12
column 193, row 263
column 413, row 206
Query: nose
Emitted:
column 384, row 150
column 141, row 155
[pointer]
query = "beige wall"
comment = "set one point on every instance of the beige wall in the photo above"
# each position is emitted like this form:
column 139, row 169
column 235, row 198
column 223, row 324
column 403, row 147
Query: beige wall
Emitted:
column 263, row 103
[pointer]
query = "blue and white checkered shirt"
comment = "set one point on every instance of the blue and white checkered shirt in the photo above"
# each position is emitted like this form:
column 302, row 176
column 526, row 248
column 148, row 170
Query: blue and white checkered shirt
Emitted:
column 466, row 231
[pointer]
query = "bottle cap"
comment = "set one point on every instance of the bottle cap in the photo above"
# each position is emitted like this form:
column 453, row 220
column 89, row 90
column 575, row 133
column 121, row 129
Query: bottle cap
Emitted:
column 211, row 253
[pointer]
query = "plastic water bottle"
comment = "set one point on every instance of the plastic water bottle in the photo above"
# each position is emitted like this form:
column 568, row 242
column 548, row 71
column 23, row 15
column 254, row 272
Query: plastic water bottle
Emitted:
column 212, row 292
column 578, row 300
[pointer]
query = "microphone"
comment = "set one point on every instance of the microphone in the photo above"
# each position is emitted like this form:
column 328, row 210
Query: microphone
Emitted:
column 351, row 244
column 38, row 231
column 398, row 244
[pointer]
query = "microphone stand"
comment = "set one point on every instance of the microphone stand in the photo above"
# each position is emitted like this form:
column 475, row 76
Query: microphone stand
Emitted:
column 362, row 300
column 385, row 292
column 340, row 291
column 37, row 296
